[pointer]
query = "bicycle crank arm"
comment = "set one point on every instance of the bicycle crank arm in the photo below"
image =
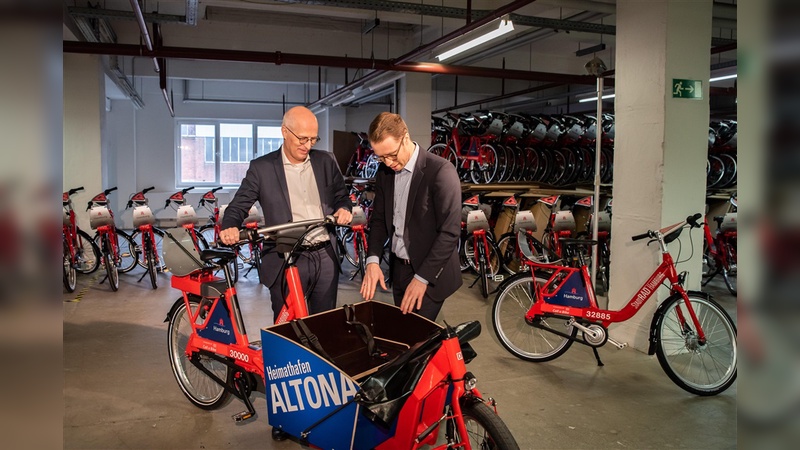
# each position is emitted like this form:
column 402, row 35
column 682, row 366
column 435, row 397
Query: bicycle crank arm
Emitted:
column 619, row 345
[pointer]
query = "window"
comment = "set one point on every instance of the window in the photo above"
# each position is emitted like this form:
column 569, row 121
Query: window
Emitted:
column 219, row 153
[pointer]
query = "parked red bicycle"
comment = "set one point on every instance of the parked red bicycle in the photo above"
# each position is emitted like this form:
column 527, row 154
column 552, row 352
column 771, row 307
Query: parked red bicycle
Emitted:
column 719, row 251
column 409, row 391
column 537, row 316
column 81, row 254
column 145, row 230
column 116, row 247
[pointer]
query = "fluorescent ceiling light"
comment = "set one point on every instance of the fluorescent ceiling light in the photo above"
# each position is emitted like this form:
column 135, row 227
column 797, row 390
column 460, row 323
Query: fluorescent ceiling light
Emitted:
column 593, row 99
column 725, row 77
column 505, row 27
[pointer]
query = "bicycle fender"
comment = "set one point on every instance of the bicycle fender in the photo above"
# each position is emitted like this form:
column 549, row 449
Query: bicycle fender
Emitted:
column 659, row 316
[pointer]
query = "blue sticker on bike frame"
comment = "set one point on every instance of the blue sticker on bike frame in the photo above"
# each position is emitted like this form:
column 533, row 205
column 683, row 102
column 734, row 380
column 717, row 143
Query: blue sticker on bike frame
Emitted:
column 303, row 389
column 219, row 326
column 572, row 293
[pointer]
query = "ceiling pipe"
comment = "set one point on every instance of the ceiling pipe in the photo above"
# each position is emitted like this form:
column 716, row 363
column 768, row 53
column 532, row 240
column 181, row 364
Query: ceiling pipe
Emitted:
column 319, row 60
column 162, row 74
column 137, row 11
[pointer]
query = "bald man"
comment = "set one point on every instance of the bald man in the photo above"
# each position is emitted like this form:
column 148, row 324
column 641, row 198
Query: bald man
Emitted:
column 292, row 184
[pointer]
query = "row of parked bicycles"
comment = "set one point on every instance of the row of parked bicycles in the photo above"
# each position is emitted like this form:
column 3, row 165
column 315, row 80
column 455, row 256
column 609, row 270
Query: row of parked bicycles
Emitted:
column 120, row 251
column 557, row 150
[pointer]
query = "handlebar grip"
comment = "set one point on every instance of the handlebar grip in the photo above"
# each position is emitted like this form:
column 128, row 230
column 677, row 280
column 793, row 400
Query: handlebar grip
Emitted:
column 247, row 234
column 146, row 190
column 187, row 189
column 77, row 189
column 166, row 203
column 88, row 205
column 110, row 190
column 692, row 220
column 130, row 203
column 640, row 236
column 216, row 189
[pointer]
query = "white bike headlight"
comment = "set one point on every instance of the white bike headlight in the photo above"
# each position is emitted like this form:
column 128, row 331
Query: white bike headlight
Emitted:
column 470, row 381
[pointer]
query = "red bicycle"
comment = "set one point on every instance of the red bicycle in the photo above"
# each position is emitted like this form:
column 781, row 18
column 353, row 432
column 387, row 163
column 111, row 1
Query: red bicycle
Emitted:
column 116, row 247
column 425, row 382
column 469, row 148
column 537, row 318
column 719, row 251
column 81, row 254
column 145, row 230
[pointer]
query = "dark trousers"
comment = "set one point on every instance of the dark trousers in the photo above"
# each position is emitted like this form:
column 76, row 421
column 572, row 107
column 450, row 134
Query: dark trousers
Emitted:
column 319, row 276
column 402, row 274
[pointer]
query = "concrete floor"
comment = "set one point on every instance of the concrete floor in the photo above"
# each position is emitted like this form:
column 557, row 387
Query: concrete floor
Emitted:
column 119, row 391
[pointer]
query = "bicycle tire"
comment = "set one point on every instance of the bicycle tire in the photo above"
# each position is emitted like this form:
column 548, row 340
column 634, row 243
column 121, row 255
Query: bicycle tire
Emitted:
column 729, row 270
column 112, row 273
column 687, row 363
column 483, row 173
column 70, row 275
column 728, row 178
column 127, row 251
column 716, row 170
column 482, row 273
column 485, row 429
column 87, row 253
column 521, row 339
column 362, row 258
column 158, row 236
column 199, row 388
column 151, row 263
column 494, row 259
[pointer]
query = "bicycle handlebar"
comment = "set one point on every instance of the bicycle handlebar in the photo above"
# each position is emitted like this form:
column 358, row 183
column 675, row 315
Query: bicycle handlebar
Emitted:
column 75, row 190
column 248, row 234
column 110, row 190
column 143, row 192
column 690, row 220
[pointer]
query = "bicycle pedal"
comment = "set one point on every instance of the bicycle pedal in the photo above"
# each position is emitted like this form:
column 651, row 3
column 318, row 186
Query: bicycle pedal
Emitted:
column 242, row 416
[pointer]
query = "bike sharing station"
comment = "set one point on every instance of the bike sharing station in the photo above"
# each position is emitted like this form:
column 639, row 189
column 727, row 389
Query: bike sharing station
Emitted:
column 599, row 215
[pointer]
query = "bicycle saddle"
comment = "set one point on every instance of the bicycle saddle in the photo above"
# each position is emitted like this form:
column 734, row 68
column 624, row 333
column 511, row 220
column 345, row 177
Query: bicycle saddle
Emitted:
column 573, row 241
column 226, row 254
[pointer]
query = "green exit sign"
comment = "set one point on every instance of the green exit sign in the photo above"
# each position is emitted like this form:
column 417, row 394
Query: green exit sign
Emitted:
column 687, row 88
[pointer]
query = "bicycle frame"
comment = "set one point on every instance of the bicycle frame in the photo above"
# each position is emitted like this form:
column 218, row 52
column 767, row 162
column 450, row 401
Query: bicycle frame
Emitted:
column 561, row 274
column 441, row 385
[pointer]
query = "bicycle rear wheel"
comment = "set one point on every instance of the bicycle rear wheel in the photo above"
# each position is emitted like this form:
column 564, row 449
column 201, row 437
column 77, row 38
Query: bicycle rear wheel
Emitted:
column 518, row 336
column 198, row 387
column 87, row 253
column 702, row 369
column 485, row 429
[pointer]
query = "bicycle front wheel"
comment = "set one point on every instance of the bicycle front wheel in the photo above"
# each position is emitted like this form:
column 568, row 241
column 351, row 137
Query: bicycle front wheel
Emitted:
column 485, row 429
column 700, row 368
column 198, row 387
column 516, row 334
column 158, row 236
column 150, row 254
column 112, row 273
column 70, row 276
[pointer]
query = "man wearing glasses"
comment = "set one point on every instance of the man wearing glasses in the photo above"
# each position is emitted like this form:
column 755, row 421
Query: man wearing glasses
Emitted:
column 417, row 203
column 292, row 184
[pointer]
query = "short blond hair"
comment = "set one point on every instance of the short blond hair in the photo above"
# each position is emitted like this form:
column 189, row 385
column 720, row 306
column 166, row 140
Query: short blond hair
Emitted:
column 386, row 125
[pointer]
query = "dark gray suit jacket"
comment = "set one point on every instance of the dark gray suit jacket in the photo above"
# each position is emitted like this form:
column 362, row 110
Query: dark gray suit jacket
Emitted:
column 265, row 182
column 433, row 221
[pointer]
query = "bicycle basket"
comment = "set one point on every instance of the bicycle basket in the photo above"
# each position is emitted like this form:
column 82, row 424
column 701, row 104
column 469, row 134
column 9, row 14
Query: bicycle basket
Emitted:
column 359, row 218
column 564, row 221
column 728, row 222
column 100, row 216
column 254, row 216
column 180, row 254
column 476, row 220
column 524, row 221
column 186, row 215
column 142, row 215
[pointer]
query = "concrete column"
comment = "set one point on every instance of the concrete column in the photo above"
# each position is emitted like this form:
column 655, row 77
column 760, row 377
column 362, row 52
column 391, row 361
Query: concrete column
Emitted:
column 660, row 148
column 414, row 101
column 83, row 105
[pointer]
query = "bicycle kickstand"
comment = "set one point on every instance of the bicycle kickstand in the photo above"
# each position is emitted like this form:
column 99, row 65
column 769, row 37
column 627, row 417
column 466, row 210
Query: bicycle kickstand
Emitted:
column 597, row 356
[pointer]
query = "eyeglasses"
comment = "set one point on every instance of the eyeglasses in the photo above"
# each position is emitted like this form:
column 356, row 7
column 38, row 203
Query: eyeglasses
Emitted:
column 393, row 155
column 303, row 140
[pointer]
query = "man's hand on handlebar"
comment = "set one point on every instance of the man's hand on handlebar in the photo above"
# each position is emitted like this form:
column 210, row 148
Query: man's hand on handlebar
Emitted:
column 229, row 236
column 343, row 216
